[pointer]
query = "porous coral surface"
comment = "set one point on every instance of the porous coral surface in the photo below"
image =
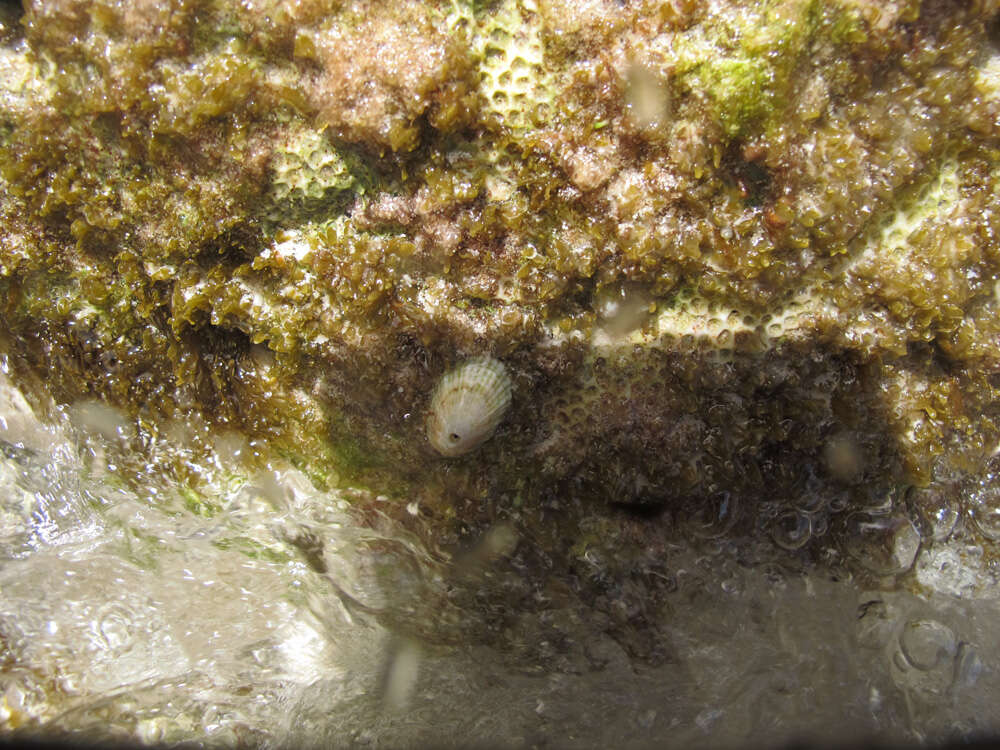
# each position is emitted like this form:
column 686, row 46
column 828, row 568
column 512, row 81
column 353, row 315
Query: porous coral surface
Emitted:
column 733, row 254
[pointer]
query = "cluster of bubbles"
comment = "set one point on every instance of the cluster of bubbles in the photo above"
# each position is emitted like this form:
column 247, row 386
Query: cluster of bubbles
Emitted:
column 930, row 659
column 875, row 531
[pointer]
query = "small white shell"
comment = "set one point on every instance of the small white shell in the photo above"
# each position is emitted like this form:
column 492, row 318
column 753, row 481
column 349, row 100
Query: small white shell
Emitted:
column 467, row 406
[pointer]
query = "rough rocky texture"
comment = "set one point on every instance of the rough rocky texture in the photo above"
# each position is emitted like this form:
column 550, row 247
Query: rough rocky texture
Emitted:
column 740, row 258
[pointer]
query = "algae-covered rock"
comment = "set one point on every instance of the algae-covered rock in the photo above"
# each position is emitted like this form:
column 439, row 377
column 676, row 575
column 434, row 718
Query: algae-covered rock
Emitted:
column 738, row 257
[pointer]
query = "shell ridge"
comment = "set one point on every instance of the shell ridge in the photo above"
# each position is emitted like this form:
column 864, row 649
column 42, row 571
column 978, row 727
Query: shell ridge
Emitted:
column 468, row 405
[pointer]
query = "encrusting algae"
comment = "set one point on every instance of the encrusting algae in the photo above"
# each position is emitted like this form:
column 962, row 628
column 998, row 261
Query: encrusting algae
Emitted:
column 707, row 240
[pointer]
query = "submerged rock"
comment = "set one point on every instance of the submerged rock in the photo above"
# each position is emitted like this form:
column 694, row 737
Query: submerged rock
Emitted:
column 739, row 249
column 740, row 262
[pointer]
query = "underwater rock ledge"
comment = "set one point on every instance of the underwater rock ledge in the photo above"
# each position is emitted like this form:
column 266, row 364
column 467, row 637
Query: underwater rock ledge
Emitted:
column 728, row 251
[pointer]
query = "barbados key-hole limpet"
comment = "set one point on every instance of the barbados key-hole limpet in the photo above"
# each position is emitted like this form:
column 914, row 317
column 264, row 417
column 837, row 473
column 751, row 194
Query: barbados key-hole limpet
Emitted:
column 467, row 406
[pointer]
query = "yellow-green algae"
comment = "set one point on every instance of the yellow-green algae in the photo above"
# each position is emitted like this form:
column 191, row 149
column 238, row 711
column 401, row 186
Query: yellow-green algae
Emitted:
column 705, row 238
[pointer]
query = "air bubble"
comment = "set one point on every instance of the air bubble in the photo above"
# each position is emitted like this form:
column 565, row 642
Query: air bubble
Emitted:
column 937, row 510
column 716, row 516
column 924, row 661
column 839, row 502
column 883, row 545
column 925, row 644
column 812, row 498
column 792, row 530
column 984, row 506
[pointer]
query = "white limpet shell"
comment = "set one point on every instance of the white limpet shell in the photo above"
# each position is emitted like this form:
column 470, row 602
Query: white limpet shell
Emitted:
column 467, row 406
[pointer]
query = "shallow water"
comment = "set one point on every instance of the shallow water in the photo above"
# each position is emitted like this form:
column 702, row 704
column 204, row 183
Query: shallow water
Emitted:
column 257, row 610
